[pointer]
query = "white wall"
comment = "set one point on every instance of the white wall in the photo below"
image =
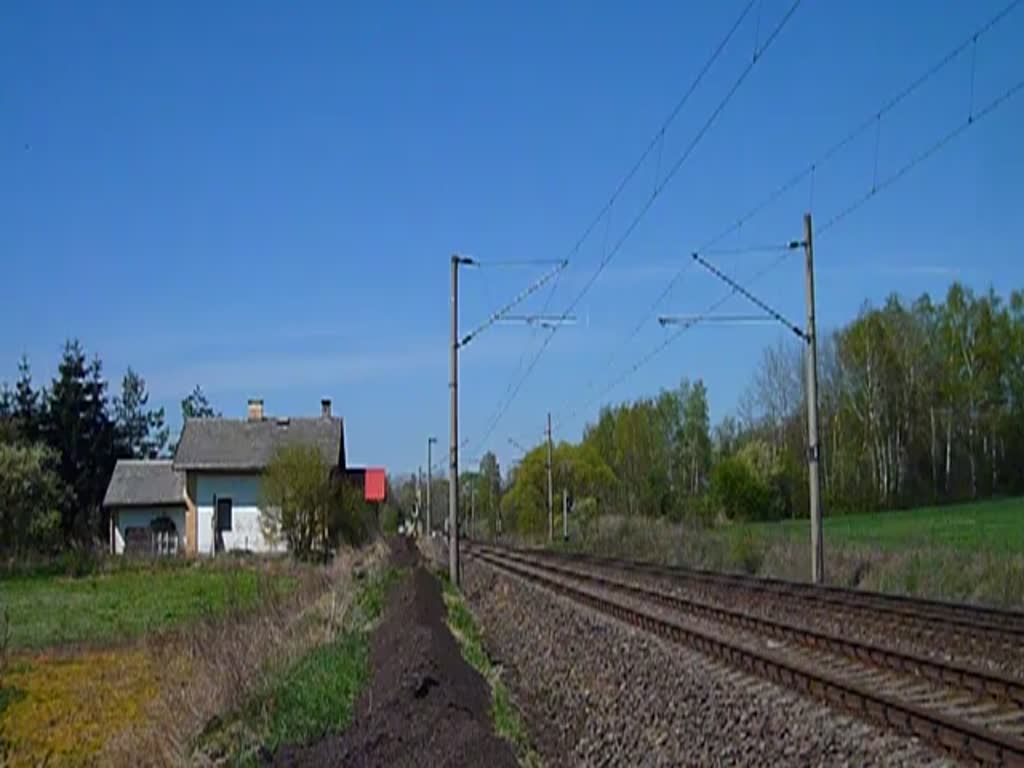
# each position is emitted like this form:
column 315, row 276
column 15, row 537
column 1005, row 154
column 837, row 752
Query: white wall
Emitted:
column 244, row 492
column 142, row 517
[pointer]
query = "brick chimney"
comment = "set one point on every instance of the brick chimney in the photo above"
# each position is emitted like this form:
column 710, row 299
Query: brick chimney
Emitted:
column 255, row 409
column 325, row 408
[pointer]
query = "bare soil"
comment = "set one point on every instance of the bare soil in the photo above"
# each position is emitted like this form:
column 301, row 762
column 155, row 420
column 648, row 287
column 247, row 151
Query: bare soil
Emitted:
column 424, row 705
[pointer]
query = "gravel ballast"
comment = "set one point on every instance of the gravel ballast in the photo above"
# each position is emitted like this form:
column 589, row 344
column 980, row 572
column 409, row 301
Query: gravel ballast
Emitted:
column 943, row 644
column 595, row 691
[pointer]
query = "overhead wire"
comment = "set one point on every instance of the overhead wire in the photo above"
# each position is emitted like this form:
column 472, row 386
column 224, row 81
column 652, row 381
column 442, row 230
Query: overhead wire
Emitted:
column 931, row 150
column 659, row 187
column 516, row 300
column 670, row 339
column 999, row 101
column 810, row 170
column 604, row 213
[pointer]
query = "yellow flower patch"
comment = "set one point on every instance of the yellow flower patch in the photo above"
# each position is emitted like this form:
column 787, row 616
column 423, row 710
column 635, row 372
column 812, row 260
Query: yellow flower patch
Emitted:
column 65, row 708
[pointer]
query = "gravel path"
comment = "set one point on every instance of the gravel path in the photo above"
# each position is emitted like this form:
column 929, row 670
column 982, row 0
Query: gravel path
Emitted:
column 598, row 692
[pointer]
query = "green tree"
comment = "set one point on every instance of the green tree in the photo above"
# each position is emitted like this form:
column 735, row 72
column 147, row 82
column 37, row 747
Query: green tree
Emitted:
column 78, row 428
column 488, row 502
column 30, row 496
column 308, row 508
column 197, row 406
column 298, row 498
column 141, row 433
column 695, row 438
column 735, row 491
column 8, row 429
column 28, row 404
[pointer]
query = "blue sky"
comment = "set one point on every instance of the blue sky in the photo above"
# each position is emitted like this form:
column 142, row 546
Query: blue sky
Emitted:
column 262, row 198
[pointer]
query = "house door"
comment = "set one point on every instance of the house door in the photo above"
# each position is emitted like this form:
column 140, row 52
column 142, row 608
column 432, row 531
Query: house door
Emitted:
column 222, row 522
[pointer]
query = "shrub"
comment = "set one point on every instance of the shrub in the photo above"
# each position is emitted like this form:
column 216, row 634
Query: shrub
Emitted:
column 389, row 519
column 30, row 496
column 736, row 491
column 746, row 551
column 307, row 507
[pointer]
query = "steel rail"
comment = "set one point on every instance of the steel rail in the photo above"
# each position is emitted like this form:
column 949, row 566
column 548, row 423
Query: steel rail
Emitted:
column 936, row 615
column 962, row 738
column 968, row 678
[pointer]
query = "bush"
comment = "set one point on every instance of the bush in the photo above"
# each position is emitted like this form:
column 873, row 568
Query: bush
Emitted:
column 352, row 518
column 746, row 551
column 308, row 508
column 736, row 491
column 389, row 519
column 30, row 496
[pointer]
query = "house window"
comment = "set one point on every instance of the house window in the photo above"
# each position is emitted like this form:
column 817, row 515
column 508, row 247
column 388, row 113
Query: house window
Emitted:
column 223, row 514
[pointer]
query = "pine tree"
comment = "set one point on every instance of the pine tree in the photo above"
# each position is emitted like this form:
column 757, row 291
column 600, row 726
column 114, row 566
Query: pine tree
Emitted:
column 197, row 406
column 141, row 433
column 63, row 430
column 79, row 429
column 8, row 432
column 27, row 413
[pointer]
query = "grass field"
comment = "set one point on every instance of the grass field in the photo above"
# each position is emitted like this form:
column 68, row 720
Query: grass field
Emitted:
column 970, row 552
column 47, row 610
column 88, row 657
column 992, row 527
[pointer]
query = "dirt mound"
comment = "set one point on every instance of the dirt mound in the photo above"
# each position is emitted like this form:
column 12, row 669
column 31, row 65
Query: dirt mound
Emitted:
column 424, row 705
column 403, row 552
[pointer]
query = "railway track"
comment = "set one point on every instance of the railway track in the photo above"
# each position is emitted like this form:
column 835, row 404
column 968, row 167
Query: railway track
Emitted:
column 970, row 712
column 971, row 623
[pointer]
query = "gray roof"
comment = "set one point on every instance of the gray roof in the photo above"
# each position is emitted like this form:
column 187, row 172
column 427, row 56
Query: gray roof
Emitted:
column 144, row 483
column 243, row 444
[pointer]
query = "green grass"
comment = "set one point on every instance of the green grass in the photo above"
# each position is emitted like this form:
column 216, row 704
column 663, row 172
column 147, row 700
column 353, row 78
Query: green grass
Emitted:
column 311, row 698
column 49, row 610
column 994, row 527
column 965, row 552
column 318, row 694
column 507, row 722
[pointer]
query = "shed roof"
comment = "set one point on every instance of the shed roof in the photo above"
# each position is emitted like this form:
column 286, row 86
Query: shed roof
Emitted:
column 249, row 444
column 145, row 483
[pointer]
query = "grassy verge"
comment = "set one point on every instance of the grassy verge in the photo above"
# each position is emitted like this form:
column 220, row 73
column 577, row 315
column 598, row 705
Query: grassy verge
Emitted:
column 47, row 609
column 507, row 722
column 970, row 552
column 310, row 698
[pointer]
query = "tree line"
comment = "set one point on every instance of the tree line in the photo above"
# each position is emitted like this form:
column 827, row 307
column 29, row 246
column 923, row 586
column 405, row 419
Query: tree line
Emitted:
column 59, row 444
column 921, row 402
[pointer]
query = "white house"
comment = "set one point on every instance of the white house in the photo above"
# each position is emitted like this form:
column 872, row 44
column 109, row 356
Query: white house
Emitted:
column 211, row 491
column 146, row 500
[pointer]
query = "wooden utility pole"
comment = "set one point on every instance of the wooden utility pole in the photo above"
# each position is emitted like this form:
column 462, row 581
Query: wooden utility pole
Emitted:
column 472, row 511
column 551, row 499
column 813, row 445
column 565, row 514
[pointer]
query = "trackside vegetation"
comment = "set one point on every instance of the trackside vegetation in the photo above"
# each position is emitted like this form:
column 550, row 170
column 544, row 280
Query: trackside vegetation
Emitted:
column 921, row 404
column 507, row 722
column 311, row 697
column 969, row 552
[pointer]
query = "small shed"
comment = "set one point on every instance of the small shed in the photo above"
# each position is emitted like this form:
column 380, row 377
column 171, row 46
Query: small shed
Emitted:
column 146, row 500
column 375, row 486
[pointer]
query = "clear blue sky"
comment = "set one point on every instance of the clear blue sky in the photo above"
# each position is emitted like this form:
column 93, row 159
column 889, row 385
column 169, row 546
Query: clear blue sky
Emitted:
column 262, row 198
